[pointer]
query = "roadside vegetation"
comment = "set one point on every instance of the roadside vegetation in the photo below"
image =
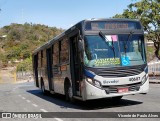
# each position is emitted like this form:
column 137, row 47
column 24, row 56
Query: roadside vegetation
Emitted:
column 150, row 53
column 18, row 41
column 148, row 12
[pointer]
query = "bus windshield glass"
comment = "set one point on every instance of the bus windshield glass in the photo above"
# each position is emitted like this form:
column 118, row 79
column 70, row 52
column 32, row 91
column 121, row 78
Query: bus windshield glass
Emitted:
column 115, row 50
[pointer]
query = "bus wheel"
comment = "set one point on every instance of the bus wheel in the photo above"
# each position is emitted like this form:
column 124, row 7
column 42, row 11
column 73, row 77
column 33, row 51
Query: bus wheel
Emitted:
column 43, row 88
column 68, row 92
column 117, row 98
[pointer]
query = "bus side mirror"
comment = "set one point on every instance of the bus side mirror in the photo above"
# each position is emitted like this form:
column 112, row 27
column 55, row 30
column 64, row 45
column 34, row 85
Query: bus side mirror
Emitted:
column 80, row 44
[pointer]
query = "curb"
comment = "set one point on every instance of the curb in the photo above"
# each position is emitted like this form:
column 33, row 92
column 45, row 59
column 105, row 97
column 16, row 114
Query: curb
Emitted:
column 154, row 82
column 17, row 82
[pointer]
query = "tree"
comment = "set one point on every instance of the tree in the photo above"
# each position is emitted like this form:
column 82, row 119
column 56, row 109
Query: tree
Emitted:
column 25, row 65
column 23, row 39
column 148, row 12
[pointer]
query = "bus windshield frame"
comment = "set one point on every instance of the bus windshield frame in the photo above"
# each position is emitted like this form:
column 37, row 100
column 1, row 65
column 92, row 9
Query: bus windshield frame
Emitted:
column 99, row 53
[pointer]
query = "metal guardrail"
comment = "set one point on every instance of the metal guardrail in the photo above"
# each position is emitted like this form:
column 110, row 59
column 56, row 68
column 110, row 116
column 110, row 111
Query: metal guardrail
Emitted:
column 154, row 69
column 23, row 75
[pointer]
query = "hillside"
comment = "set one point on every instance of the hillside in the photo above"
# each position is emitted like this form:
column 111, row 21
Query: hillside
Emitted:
column 17, row 41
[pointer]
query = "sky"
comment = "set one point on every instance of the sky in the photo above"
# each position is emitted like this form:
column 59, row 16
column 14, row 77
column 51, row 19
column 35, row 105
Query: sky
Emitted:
column 58, row 13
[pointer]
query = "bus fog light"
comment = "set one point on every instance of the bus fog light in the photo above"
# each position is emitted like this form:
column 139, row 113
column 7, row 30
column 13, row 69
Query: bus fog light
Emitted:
column 107, row 91
column 137, row 88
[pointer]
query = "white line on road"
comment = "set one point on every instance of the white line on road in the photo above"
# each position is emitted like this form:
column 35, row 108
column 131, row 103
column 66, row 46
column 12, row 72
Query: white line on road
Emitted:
column 58, row 119
column 43, row 110
column 23, row 98
column 28, row 101
column 35, row 105
column 19, row 95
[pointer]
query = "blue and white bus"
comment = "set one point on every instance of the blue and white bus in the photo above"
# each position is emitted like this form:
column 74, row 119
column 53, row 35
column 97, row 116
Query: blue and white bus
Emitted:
column 96, row 58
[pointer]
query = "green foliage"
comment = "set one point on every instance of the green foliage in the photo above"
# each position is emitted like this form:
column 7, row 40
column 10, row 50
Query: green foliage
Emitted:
column 2, row 57
column 148, row 12
column 25, row 65
column 13, row 52
column 150, row 53
column 23, row 39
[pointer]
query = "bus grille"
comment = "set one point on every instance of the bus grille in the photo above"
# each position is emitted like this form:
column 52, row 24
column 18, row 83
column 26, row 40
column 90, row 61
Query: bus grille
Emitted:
column 120, row 72
column 114, row 89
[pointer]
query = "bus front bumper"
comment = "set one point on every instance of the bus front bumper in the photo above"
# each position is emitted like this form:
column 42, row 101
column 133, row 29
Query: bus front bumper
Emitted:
column 92, row 92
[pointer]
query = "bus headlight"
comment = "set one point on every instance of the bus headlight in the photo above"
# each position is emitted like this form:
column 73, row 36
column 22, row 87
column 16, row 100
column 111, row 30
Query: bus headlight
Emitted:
column 94, row 82
column 144, row 79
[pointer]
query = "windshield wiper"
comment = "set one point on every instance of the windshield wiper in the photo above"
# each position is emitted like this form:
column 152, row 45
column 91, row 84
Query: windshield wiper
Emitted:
column 125, row 43
column 105, row 38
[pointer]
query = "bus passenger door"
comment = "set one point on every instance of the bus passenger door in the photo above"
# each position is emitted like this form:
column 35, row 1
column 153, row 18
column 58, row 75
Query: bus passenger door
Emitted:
column 49, row 67
column 76, row 68
column 35, row 67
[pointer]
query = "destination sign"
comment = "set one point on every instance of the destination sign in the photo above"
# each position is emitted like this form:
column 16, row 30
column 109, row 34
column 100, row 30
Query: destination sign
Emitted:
column 105, row 25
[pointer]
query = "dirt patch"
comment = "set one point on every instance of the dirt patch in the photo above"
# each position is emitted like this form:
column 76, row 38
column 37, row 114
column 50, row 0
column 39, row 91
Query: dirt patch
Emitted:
column 6, row 75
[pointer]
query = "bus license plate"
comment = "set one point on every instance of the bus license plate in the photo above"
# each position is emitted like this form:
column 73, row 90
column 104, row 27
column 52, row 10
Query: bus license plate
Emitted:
column 121, row 90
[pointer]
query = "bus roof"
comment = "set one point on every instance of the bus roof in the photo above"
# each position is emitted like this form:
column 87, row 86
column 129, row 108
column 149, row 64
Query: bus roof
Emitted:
column 111, row 19
column 79, row 23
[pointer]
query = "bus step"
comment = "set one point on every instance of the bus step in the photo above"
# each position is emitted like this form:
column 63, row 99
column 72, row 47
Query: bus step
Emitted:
column 77, row 97
column 52, row 92
column 77, row 92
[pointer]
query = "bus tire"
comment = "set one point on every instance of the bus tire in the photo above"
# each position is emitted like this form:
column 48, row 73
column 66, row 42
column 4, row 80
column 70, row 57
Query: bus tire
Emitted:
column 43, row 88
column 68, row 92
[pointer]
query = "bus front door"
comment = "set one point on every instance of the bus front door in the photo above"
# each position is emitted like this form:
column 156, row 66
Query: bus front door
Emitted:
column 75, row 66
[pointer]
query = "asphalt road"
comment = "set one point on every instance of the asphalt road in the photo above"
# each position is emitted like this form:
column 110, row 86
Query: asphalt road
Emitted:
column 25, row 97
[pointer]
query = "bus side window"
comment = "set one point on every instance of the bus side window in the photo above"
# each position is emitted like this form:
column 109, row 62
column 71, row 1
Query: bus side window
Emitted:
column 44, row 63
column 41, row 56
column 56, row 54
column 39, row 60
column 64, row 57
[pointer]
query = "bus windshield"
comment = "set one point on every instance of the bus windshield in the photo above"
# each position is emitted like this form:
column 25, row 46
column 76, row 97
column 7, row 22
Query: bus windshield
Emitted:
column 128, row 51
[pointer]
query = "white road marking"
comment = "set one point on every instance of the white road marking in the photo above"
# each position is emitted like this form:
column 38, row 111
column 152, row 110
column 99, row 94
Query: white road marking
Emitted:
column 43, row 110
column 58, row 119
column 23, row 98
column 28, row 101
column 35, row 105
